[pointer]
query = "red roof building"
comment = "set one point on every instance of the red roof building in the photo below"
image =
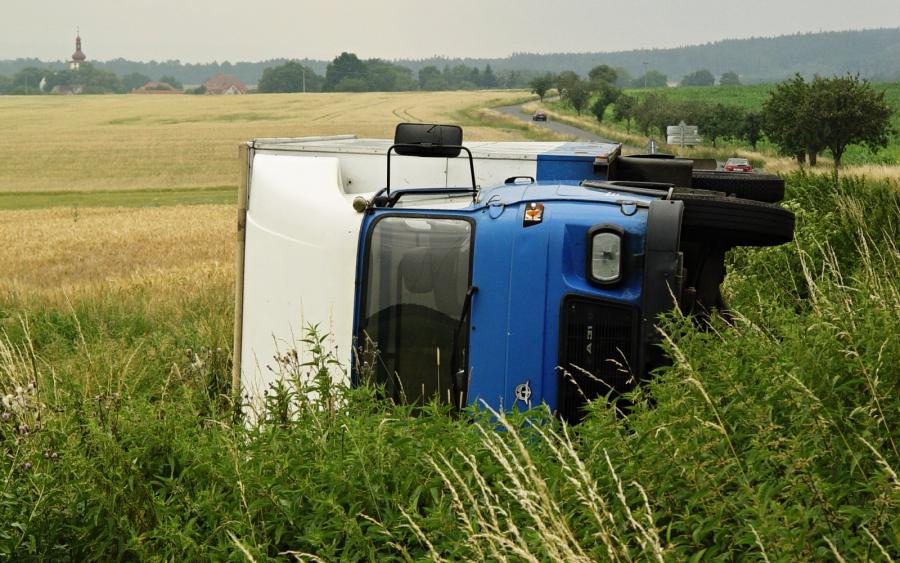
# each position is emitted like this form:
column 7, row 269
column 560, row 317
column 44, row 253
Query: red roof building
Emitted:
column 224, row 84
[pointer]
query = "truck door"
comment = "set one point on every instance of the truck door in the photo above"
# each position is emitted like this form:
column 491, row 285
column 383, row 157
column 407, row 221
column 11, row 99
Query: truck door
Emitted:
column 416, row 273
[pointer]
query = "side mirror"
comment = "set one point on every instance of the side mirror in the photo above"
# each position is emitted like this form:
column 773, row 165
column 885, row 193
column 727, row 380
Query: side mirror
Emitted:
column 422, row 139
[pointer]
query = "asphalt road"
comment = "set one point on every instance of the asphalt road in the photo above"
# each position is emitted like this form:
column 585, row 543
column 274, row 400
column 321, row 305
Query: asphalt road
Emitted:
column 561, row 128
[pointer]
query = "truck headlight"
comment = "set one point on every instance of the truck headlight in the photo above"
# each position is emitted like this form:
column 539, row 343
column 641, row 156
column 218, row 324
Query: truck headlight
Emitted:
column 605, row 254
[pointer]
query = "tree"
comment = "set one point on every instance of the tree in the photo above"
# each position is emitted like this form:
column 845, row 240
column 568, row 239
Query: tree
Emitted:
column 849, row 111
column 430, row 78
column 729, row 78
column 622, row 110
column 717, row 121
column 564, row 81
column 169, row 79
column 382, row 76
column 623, row 77
column 751, row 127
column 5, row 84
column 603, row 73
column 27, row 81
column 344, row 66
column 488, row 80
column 134, row 80
column 789, row 118
column 699, row 78
column 606, row 94
column 578, row 93
column 540, row 84
column 656, row 111
column 651, row 79
column 289, row 77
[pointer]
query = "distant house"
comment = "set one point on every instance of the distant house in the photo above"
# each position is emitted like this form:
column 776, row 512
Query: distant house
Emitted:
column 224, row 84
column 157, row 88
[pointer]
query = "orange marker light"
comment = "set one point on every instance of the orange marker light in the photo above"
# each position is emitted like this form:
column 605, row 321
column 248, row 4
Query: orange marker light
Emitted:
column 534, row 214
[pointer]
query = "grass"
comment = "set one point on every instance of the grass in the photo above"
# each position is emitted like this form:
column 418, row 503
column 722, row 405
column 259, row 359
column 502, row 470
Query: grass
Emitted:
column 774, row 436
column 118, row 198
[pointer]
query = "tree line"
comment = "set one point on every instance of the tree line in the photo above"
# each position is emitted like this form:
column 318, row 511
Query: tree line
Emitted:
column 802, row 119
column 348, row 73
column 87, row 79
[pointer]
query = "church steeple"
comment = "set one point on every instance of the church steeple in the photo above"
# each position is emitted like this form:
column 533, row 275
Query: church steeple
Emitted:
column 78, row 56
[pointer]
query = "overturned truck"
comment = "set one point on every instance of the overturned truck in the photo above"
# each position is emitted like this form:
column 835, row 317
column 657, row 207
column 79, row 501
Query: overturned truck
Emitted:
column 513, row 273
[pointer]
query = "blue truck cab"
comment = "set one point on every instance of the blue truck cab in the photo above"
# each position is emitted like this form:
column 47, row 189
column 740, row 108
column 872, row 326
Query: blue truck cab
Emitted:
column 544, row 289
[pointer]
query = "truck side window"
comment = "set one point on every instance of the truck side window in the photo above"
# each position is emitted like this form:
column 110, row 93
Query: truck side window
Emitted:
column 416, row 277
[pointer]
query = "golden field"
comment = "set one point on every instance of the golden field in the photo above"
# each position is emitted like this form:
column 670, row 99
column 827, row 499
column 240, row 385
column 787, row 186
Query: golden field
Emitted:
column 65, row 249
column 129, row 142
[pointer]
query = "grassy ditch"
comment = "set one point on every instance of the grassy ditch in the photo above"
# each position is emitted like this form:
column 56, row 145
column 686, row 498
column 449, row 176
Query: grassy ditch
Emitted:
column 775, row 436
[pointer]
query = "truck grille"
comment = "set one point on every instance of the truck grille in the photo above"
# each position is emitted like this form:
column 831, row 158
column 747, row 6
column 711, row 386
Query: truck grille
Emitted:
column 598, row 338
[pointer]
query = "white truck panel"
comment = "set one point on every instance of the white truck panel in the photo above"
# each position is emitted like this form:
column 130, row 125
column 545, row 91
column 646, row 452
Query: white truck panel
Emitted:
column 300, row 263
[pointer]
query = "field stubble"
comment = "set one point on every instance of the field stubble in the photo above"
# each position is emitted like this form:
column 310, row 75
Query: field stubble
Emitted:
column 131, row 142
column 67, row 248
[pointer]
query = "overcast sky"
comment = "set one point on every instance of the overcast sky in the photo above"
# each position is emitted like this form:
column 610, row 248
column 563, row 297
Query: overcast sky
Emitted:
column 251, row 30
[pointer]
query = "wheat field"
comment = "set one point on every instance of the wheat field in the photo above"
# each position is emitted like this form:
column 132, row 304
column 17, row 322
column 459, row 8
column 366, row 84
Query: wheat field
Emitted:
column 132, row 142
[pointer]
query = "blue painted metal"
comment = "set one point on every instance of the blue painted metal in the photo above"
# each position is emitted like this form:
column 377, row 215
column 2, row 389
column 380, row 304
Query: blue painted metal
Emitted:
column 571, row 162
column 523, row 274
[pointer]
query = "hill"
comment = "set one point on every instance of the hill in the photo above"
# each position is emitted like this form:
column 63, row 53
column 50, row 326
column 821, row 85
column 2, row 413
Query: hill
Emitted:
column 873, row 53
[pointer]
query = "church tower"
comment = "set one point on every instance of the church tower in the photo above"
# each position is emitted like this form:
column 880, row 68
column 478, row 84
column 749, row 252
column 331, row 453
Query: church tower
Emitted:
column 78, row 56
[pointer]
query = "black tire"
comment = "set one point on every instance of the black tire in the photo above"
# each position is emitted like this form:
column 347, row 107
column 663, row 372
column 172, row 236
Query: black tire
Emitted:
column 752, row 185
column 734, row 222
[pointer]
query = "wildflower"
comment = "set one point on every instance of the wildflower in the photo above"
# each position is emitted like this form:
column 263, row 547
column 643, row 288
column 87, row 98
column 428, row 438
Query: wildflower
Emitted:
column 26, row 466
column 5, row 416
column 23, row 429
column 7, row 401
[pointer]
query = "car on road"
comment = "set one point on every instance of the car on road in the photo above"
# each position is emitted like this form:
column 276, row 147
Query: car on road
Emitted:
column 737, row 165
column 539, row 116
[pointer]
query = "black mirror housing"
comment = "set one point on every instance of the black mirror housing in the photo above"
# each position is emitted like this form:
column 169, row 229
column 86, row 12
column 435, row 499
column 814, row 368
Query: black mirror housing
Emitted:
column 423, row 139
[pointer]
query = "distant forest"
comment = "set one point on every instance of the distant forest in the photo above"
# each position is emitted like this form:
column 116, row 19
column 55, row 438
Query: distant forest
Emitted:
column 874, row 54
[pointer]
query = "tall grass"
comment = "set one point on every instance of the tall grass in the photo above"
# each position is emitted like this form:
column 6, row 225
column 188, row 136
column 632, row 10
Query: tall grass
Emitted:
column 773, row 436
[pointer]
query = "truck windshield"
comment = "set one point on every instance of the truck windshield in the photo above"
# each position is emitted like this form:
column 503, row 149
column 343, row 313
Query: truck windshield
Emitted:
column 417, row 275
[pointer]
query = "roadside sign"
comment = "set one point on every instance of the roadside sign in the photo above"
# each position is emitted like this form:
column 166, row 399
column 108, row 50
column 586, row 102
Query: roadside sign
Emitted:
column 683, row 135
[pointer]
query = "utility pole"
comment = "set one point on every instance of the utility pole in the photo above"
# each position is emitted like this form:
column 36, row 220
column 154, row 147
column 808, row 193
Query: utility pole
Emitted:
column 303, row 68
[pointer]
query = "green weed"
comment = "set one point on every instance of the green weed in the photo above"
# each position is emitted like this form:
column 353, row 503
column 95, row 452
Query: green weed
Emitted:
column 772, row 436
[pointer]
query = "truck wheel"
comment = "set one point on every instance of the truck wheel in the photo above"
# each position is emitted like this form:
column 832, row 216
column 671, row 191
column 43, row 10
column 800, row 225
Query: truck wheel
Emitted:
column 755, row 186
column 734, row 222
